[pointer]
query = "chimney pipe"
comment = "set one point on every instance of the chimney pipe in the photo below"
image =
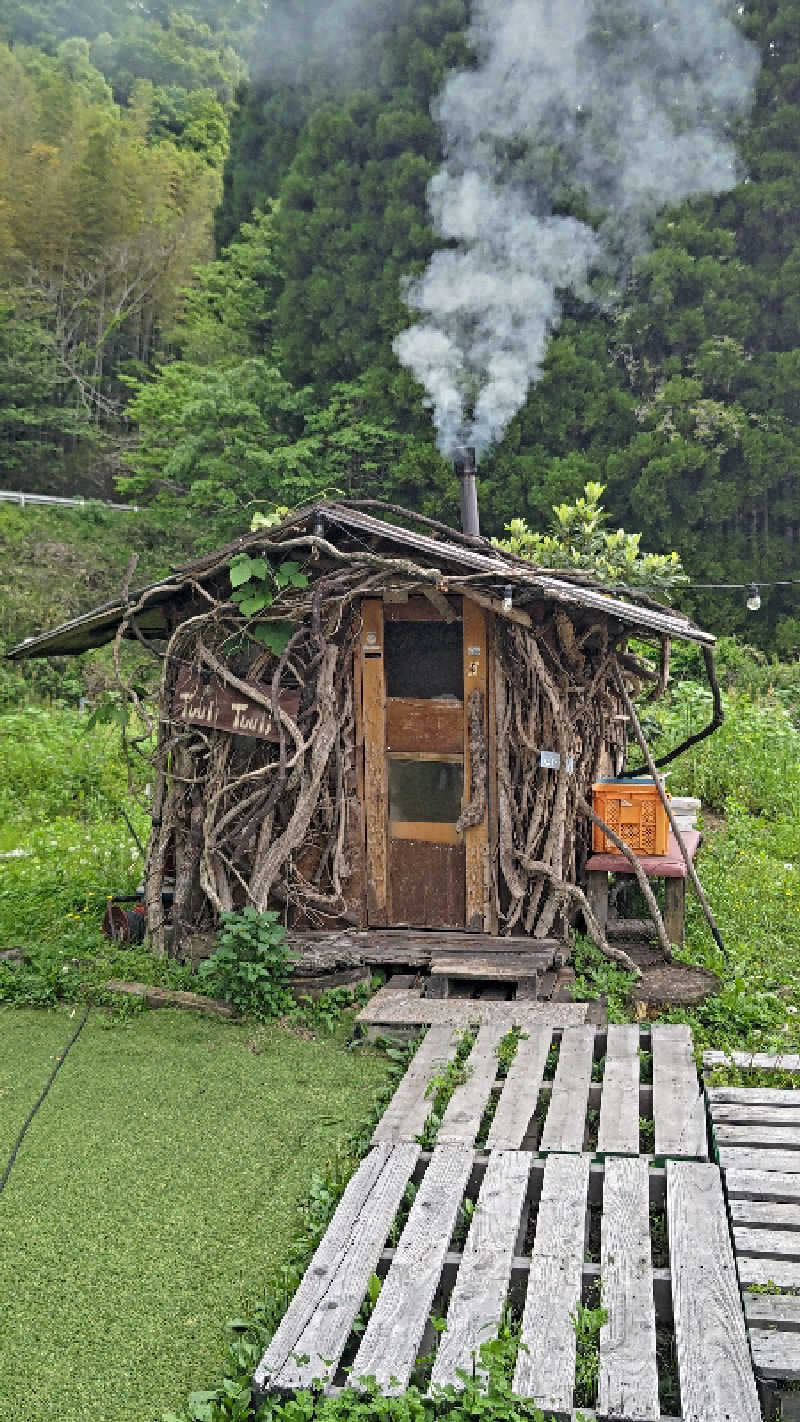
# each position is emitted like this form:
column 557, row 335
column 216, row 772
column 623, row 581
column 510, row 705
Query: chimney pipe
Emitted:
column 464, row 464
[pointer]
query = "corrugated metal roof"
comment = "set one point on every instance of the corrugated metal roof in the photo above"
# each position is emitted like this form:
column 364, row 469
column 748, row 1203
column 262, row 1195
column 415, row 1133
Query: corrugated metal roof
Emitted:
column 357, row 531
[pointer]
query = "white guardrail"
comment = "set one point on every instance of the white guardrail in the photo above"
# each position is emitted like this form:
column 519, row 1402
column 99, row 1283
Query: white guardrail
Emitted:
column 22, row 499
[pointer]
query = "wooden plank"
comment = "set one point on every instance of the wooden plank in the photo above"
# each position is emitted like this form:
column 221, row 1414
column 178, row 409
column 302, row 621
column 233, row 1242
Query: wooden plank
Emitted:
column 490, row 920
column 479, row 1296
column 376, row 792
column 766, row 1243
column 318, row 1321
column 628, row 1378
column 744, row 1158
column 764, row 1214
column 565, row 1123
column 678, row 1112
column 508, row 966
column 426, row 831
column 424, row 725
column 476, row 837
column 775, row 1354
column 545, row 1368
column 520, row 1091
column 773, row 1311
column 409, row 1108
column 762, row 1185
column 716, row 1379
column 756, row 1116
column 467, row 1104
column 763, row 1061
column 753, row 1137
column 724, row 1096
column 618, row 1132
column 406, row 1007
column 392, row 1337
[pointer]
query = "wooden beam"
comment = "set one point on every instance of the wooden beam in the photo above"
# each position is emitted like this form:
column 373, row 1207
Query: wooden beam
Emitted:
column 376, row 793
column 476, row 837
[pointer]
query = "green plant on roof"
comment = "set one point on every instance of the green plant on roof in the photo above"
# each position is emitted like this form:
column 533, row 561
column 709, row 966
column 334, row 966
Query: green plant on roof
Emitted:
column 255, row 584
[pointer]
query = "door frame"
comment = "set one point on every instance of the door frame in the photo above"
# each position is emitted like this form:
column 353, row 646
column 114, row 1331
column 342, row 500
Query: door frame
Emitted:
column 479, row 840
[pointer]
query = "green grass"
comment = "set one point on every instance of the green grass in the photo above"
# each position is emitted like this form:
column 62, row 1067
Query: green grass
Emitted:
column 154, row 1198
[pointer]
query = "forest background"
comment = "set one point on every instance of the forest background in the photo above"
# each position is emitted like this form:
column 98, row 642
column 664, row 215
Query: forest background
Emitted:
column 207, row 216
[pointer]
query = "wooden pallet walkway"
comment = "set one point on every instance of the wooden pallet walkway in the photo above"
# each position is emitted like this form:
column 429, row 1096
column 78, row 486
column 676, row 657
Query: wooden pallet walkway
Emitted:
column 756, row 1134
column 526, row 1245
column 596, row 1084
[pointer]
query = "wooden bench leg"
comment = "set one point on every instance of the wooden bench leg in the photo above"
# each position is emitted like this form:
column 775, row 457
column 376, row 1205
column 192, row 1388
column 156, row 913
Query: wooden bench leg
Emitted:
column 597, row 894
column 675, row 910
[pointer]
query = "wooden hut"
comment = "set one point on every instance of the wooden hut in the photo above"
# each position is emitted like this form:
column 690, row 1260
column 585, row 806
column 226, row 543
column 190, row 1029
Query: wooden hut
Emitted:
column 378, row 725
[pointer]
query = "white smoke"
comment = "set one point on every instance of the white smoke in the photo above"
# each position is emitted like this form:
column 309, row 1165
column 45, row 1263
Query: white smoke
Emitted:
column 623, row 106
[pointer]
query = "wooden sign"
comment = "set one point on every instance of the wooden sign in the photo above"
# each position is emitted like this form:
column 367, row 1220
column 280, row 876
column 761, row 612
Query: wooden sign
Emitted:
column 212, row 703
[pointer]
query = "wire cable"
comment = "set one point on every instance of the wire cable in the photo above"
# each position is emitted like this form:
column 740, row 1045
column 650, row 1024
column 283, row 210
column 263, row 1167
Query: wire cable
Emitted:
column 29, row 1118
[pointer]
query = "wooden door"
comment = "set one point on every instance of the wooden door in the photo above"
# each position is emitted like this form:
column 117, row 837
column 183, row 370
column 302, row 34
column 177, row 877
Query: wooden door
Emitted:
column 418, row 669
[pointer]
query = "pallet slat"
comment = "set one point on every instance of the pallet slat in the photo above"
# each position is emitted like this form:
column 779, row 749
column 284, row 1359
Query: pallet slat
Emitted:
column 716, row 1379
column 476, row 1305
column 466, row 1106
column 764, row 1214
column 618, row 1132
column 757, row 1160
column 762, row 1185
column 755, row 1137
column 520, row 1091
column 763, row 1061
column 775, row 1354
column 773, row 1310
column 783, row 1273
column 766, row 1243
column 545, row 1368
column 391, row 1340
column 318, row 1320
column 408, row 1110
column 678, row 1110
column 751, row 1096
column 565, row 1122
column 628, row 1378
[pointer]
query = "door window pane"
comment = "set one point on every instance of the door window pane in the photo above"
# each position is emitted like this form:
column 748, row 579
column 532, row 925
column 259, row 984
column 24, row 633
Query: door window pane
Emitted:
column 425, row 790
column 423, row 659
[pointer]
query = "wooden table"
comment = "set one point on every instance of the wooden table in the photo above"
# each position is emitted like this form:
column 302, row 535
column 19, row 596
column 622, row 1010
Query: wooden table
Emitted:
column 670, row 867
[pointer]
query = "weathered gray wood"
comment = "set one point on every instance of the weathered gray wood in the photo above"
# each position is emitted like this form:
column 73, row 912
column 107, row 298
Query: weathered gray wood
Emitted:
column 761, row 1184
column 628, row 1378
column 317, row 1322
column 565, row 1122
column 757, row 1117
column 678, row 1112
column 619, row 1104
column 716, row 1379
column 764, row 1214
column 477, row 1302
column 773, row 1311
column 783, row 1273
column 509, row 967
column 755, row 1137
column 785, row 1061
column 392, row 1337
column 404, row 1007
column 545, row 1368
column 775, row 1354
column 720, row 1096
column 520, row 1091
column 766, row 1243
column 466, row 1106
column 407, row 1112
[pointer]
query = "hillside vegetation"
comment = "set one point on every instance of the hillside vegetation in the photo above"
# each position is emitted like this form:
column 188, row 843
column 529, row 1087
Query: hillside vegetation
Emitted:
column 262, row 369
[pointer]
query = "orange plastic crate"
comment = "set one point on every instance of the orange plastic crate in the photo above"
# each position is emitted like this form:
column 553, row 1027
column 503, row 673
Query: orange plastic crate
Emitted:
column 633, row 809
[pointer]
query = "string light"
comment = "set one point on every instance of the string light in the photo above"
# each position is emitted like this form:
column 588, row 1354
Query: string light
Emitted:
column 754, row 600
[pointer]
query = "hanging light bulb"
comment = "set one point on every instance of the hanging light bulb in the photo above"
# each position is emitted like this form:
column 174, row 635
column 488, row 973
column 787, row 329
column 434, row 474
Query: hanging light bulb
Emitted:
column 754, row 600
column 508, row 596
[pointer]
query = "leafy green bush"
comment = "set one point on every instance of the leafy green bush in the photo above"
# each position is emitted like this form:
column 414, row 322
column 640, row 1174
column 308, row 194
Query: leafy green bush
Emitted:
column 251, row 965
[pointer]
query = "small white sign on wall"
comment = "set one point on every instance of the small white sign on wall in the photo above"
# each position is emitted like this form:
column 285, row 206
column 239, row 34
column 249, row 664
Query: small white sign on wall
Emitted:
column 551, row 760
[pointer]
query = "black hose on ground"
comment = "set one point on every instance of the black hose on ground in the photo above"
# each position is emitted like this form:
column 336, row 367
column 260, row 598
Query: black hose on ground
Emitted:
column 29, row 1118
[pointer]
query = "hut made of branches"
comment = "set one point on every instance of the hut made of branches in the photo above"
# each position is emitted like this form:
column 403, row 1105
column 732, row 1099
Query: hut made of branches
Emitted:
column 363, row 723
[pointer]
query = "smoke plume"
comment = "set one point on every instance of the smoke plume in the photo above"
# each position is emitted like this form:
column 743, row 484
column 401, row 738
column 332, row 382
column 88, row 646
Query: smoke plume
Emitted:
column 610, row 109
